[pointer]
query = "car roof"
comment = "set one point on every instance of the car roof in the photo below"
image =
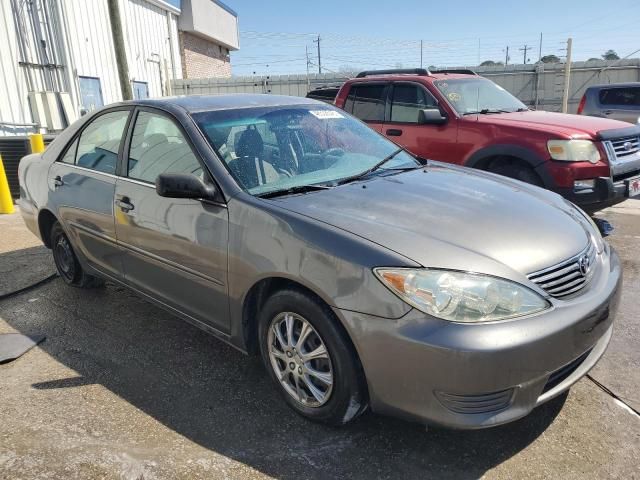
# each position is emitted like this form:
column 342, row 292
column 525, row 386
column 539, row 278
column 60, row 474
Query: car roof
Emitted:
column 413, row 77
column 205, row 103
column 614, row 85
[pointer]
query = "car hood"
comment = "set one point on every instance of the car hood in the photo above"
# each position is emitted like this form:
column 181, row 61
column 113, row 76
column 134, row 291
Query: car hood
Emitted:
column 561, row 123
column 452, row 217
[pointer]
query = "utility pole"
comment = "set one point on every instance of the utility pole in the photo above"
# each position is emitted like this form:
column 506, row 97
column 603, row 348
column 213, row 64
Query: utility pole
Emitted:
column 118, row 46
column 420, row 53
column 319, row 60
column 506, row 57
column 306, row 51
column 567, row 75
column 525, row 48
column 540, row 48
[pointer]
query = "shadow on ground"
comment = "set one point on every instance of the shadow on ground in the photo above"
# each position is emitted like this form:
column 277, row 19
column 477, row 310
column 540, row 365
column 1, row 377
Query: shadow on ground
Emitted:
column 215, row 396
column 20, row 268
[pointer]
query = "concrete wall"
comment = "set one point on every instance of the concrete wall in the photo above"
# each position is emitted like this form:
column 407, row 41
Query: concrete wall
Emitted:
column 539, row 86
column 210, row 19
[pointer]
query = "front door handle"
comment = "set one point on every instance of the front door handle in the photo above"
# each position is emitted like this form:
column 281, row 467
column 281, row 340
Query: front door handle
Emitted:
column 607, row 112
column 125, row 204
column 394, row 132
column 58, row 181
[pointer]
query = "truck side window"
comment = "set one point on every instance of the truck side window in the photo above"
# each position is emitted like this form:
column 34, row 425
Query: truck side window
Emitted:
column 408, row 100
column 368, row 103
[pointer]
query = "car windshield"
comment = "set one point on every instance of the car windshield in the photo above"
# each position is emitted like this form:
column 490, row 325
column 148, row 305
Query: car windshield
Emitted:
column 289, row 148
column 478, row 95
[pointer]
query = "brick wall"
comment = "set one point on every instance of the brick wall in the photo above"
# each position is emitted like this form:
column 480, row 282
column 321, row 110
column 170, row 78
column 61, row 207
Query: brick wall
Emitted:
column 203, row 58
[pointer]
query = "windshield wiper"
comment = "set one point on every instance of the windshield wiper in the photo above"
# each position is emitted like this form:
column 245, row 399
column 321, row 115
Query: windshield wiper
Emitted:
column 372, row 169
column 486, row 111
column 294, row 190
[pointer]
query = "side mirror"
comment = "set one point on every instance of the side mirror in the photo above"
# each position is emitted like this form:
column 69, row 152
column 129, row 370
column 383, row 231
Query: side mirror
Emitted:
column 431, row 116
column 184, row 185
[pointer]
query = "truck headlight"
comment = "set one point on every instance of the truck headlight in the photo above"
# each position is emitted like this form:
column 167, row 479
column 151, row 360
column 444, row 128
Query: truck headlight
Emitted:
column 461, row 297
column 573, row 150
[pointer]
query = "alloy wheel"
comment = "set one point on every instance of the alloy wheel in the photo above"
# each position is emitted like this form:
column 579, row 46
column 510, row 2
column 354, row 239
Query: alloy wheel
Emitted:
column 300, row 359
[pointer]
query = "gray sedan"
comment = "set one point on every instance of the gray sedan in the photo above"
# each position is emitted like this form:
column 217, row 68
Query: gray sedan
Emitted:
column 363, row 276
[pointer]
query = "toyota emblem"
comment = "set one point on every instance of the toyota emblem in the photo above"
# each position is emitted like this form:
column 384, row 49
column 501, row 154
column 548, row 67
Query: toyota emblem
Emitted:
column 627, row 146
column 585, row 264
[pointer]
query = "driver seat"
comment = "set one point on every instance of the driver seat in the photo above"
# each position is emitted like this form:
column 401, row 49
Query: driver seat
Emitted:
column 249, row 166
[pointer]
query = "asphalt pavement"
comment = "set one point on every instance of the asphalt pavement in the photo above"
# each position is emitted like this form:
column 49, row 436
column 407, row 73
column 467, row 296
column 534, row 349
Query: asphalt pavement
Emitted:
column 121, row 389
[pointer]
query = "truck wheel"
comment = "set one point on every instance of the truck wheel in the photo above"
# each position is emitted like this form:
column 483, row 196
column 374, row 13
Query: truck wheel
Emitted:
column 521, row 172
column 67, row 263
column 309, row 359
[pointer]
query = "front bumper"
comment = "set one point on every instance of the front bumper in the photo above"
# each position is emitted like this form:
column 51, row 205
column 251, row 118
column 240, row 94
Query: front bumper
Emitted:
column 606, row 192
column 477, row 376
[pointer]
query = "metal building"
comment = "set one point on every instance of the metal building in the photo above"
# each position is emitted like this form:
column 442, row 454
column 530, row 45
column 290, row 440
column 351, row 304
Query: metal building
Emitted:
column 57, row 57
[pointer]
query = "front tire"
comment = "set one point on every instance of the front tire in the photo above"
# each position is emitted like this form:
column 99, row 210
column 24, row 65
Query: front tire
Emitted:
column 310, row 358
column 67, row 263
column 518, row 171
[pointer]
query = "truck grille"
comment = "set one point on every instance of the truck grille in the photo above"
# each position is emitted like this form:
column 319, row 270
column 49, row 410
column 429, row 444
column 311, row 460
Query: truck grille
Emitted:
column 620, row 148
column 569, row 276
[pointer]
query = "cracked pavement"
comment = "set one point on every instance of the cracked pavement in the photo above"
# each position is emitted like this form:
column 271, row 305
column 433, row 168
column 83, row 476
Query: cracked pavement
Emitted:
column 121, row 389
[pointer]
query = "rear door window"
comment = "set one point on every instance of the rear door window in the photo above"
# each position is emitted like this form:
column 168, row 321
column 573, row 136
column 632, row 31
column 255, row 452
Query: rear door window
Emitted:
column 368, row 102
column 407, row 102
column 628, row 96
column 99, row 142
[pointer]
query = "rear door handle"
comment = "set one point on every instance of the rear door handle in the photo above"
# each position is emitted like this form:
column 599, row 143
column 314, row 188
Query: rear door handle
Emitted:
column 607, row 112
column 394, row 132
column 125, row 204
column 58, row 181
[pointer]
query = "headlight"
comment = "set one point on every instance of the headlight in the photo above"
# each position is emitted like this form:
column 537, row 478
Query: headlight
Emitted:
column 461, row 297
column 573, row 150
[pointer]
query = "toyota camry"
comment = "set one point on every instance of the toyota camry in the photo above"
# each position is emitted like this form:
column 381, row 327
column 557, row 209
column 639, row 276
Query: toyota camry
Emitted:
column 364, row 277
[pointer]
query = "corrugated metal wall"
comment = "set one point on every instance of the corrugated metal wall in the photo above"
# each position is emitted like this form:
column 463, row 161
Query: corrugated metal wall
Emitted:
column 91, row 45
column 78, row 32
column 535, row 85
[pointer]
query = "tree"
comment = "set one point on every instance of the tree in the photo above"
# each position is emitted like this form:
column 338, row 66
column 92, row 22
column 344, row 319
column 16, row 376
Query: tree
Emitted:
column 490, row 63
column 550, row 59
column 610, row 55
column 593, row 59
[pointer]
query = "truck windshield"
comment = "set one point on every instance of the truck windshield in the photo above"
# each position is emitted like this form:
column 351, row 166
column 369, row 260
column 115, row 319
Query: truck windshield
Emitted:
column 478, row 95
column 297, row 148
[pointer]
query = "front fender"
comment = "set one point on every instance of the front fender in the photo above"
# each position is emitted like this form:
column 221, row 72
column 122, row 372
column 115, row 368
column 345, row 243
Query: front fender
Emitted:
column 266, row 241
column 528, row 155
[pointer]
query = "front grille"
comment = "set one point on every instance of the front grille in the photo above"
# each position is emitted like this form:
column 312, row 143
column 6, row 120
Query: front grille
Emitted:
column 560, row 375
column 569, row 276
column 482, row 403
column 620, row 148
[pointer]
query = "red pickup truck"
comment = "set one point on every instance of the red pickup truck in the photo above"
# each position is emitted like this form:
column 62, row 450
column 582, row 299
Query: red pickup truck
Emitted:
column 459, row 117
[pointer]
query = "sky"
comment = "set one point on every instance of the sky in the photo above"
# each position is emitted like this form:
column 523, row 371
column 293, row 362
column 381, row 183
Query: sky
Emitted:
column 355, row 35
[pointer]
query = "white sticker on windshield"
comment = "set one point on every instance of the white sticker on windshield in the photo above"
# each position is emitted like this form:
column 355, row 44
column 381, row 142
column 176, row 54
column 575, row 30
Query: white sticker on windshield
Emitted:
column 325, row 114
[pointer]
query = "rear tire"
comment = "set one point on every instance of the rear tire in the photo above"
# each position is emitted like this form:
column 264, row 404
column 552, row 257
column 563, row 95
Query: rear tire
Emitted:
column 67, row 263
column 518, row 171
column 336, row 377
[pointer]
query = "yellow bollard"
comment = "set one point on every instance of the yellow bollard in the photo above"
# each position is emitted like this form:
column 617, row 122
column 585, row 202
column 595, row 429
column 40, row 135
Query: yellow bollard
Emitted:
column 37, row 142
column 6, row 202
